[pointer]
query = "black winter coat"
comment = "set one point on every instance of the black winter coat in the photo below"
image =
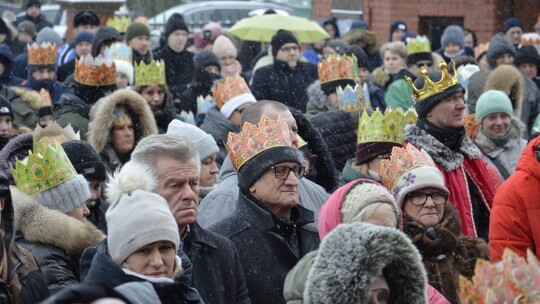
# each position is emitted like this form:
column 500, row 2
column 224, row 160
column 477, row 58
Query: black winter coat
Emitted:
column 97, row 215
column 40, row 23
column 280, row 83
column 179, row 71
column 65, row 70
column 219, row 127
column 263, row 243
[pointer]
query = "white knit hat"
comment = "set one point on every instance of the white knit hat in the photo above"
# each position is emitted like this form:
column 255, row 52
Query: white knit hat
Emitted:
column 234, row 103
column 362, row 195
column 418, row 178
column 223, row 47
column 125, row 68
column 136, row 220
column 205, row 143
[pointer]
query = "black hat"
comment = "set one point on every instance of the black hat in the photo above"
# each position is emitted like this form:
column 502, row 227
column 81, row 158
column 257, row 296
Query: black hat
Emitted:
column 205, row 58
column 85, row 160
column 414, row 58
column 369, row 150
column 361, row 56
column 527, row 54
column 30, row 3
column 397, row 25
column 175, row 22
column 423, row 107
column 5, row 107
column 86, row 17
column 280, row 38
column 44, row 111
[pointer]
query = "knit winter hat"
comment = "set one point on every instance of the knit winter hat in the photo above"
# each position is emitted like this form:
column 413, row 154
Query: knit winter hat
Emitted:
column 5, row 107
column 125, row 68
column 424, row 107
column 337, row 44
column 205, row 58
column 136, row 29
column 512, row 22
column 492, row 101
column 175, row 22
column 47, row 34
column 205, row 143
column 67, row 196
column 369, row 150
column 136, row 220
column 498, row 46
column 280, row 38
column 397, row 25
column 363, row 194
column 27, row 27
column 527, row 54
column 86, row 17
column 84, row 36
column 453, row 34
column 224, row 47
column 416, row 179
column 85, row 160
column 30, row 3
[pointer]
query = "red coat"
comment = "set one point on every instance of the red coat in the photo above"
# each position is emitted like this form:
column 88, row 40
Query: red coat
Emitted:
column 515, row 216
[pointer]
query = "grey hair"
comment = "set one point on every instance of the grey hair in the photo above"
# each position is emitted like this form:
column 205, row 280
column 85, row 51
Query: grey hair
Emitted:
column 368, row 210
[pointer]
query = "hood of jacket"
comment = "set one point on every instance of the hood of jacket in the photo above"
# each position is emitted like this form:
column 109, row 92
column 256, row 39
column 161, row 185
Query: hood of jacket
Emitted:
column 317, row 99
column 39, row 224
column 499, row 45
column 368, row 37
column 352, row 256
column 529, row 161
column 509, row 80
column 218, row 126
column 102, row 116
column 102, row 35
column 487, row 145
column 17, row 147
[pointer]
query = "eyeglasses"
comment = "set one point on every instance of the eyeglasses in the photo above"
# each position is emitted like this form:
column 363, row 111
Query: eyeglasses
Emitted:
column 424, row 64
column 287, row 49
column 420, row 198
column 282, row 172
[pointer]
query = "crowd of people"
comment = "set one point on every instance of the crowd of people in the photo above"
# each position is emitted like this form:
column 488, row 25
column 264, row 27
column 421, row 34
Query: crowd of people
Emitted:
column 215, row 170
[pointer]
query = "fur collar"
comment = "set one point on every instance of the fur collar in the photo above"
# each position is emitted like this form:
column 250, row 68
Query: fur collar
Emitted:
column 40, row 224
column 30, row 97
column 485, row 144
column 448, row 159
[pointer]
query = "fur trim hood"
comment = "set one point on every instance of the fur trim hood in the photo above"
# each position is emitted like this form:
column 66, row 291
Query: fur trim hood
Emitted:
column 486, row 144
column 39, row 224
column 448, row 159
column 131, row 177
column 379, row 77
column 30, row 97
column 356, row 35
column 102, row 115
column 353, row 255
column 317, row 99
column 509, row 80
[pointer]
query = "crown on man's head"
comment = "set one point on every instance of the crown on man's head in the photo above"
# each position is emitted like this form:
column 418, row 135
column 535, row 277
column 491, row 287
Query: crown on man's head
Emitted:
column 431, row 88
column 379, row 127
column 353, row 99
column 118, row 50
column 150, row 74
column 337, row 68
column 231, row 87
column 254, row 139
column 420, row 44
column 42, row 54
column 120, row 24
column 94, row 71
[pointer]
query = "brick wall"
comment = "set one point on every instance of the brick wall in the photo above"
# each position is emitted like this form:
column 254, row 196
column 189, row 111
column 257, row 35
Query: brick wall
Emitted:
column 321, row 9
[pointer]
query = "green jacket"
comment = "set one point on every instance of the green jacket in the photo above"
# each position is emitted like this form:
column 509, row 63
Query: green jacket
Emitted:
column 349, row 173
column 74, row 111
column 293, row 290
column 399, row 95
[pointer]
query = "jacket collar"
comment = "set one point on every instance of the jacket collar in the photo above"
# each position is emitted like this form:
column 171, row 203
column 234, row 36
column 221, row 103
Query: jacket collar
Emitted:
column 283, row 65
column 199, row 236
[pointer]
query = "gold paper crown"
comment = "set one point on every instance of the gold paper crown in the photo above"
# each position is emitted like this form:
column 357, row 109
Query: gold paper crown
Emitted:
column 254, row 139
column 119, row 50
column 353, row 99
column 410, row 117
column 379, row 127
column 150, row 74
column 403, row 160
column 301, row 141
column 232, row 86
column 120, row 24
column 42, row 54
column 52, row 134
column 95, row 71
column 431, row 88
column 42, row 171
column 337, row 68
column 420, row 44
column 121, row 117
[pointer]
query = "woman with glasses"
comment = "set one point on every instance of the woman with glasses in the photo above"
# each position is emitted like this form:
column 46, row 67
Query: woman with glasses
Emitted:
column 430, row 219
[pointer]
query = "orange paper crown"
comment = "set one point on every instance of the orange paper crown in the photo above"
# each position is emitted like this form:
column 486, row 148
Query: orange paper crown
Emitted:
column 336, row 68
column 530, row 39
column 471, row 125
column 95, row 71
column 254, row 139
column 42, row 54
column 232, row 86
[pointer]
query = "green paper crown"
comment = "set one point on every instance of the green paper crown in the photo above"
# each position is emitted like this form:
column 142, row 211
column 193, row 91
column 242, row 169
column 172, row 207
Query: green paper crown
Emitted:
column 120, row 24
column 42, row 171
column 410, row 117
column 379, row 127
column 420, row 44
column 151, row 74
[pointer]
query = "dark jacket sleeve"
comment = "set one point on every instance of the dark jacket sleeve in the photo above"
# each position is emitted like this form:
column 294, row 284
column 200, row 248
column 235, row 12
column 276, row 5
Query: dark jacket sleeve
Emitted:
column 33, row 288
column 59, row 270
column 259, row 86
column 242, row 294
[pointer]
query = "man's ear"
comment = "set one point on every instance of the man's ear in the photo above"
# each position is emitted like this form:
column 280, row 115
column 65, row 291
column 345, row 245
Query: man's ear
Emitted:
column 252, row 188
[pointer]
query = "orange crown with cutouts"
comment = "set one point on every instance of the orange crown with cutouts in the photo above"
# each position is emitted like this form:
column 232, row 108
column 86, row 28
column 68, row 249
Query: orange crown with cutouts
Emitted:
column 95, row 71
column 42, row 54
column 232, row 86
column 471, row 125
column 530, row 39
column 336, row 68
column 403, row 160
column 254, row 139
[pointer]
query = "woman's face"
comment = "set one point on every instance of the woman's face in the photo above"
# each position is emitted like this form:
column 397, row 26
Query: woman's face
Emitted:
column 123, row 138
column 382, row 216
column 154, row 260
column 392, row 62
column 496, row 124
column 121, row 80
column 79, row 213
column 428, row 213
column 209, row 171
column 154, row 95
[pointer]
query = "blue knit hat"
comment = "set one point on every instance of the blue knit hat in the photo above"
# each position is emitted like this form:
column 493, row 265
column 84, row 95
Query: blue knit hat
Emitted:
column 512, row 22
column 492, row 101
column 84, row 36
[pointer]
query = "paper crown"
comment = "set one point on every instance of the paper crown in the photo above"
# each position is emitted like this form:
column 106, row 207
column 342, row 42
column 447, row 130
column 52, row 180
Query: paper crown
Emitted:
column 530, row 39
column 121, row 117
column 150, row 74
column 52, row 134
column 231, row 87
column 205, row 103
column 379, row 127
column 410, row 117
column 512, row 280
column 45, row 98
column 43, row 170
column 403, row 160
column 431, row 88
column 337, row 68
column 120, row 24
column 353, row 99
column 119, row 50
column 42, row 54
column 471, row 125
column 301, row 141
column 254, row 139
column 94, row 71
column 420, row 44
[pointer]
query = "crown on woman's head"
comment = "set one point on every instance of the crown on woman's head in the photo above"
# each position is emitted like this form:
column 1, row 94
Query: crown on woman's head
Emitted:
column 150, row 74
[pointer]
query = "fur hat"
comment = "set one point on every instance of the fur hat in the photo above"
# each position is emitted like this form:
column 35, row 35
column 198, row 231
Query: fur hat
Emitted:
column 86, row 17
column 527, row 54
column 498, row 46
column 175, row 22
column 27, row 27
column 136, row 29
column 492, row 101
column 453, row 34
column 280, row 38
column 85, row 160
column 205, row 143
column 224, row 47
column 139, row 218
column 508, row 79
column 512, row 22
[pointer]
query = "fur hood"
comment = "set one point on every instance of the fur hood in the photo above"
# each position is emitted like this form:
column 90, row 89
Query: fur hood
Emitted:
column 448, row 159
column 380, row 77
column 356, row 35
column 317, row 99
column 509, row 80
column 353, row 255
column 484, row 143
column 102, row 115
column 39, row 224
column 131, row 177
column 30, row 97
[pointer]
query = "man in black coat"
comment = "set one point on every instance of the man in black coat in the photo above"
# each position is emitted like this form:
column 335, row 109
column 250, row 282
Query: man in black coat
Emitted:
column 287, row 79
column 33, row 13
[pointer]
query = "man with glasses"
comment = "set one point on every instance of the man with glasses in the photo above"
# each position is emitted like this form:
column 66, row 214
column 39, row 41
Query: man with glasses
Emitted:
column 287, row 79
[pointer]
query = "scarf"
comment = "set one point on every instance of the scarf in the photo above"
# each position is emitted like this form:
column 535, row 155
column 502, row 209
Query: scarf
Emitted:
column 499, row 141
column 451, row 139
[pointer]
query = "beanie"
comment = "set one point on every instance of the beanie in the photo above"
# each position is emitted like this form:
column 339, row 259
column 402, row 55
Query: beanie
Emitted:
column 85, row 160
column 5, row 107
column 359, row 24
column 125, row 68
column 175, row 22
column 363, row 194
column 234, row 103
column 280, row 38
column 361, row 56
column 44, row 111
column 493, row 101
column 204, row 142
column 527, row 54
column 453, row 34
column 369, row 150
column 512, row 22
column 86, row 17
column 337, row 45
column 30, row 3
column 67, row 196
column 136, row 29
column 47, row 34
column 424, row 177
column 224, row 47
column 498, row 46
column 205, row 58
column 424, row 107
column 394, row 26
column 84, row 36
column 27, row 27
column 136, row 220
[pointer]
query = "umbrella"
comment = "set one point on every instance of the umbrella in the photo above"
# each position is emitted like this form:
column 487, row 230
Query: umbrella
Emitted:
column 262, row 28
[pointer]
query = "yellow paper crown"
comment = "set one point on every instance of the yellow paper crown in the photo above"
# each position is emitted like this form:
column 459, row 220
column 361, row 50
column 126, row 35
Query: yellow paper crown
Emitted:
column 353, row 99
column 420, row 44
column 120, row 24
column 52, row 134
column 232, row 86
column 150, row 74
column 301, row 141
column 42, row 171
column 42, row 54
column 403, row 160
column 379, row 127
column 254, row 139
column 336, row 68
column 431, row 88
column 95, row 71
column 410, row 117
column 121, row 117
